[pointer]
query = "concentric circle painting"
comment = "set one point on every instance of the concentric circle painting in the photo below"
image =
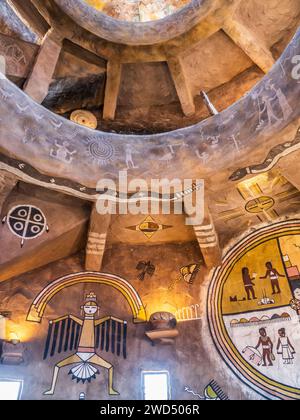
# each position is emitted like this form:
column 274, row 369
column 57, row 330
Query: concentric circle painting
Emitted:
column 254, row 310
column 26, row 222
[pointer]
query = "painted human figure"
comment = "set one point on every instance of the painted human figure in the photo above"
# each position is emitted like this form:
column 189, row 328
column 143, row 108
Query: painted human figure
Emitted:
column 62, row 152
column 274, row 275
column 268, row 101
column 86, row 358
column 248, row 283
column 295, row 303
column 129, row 157
column 204, row 157
column 285, row 348
column 267, row 347
column 281, row 98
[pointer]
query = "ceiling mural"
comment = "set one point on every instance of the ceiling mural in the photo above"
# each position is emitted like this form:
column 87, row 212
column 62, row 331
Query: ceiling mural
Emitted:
column 209, row 145
column 260, row 199
column 131, row 32
column 272, row 158
column 26, row 222
column 149, row 227
column 149, row 199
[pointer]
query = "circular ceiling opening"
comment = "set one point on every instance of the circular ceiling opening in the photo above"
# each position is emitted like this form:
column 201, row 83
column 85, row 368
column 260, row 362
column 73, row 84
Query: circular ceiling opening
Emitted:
column 138, row 22
column 138, row 10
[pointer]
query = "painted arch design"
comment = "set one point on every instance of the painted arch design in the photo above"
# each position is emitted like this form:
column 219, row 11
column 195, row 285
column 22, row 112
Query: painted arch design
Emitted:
column 223, row 143
column 40, row 303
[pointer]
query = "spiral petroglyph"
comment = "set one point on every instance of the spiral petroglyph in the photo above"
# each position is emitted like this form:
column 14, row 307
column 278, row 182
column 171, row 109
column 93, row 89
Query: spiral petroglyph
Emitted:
column 100, row 150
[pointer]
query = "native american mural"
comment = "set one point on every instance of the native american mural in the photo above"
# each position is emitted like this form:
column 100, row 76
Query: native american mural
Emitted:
column 212, row 392
column 254, row 309
column 26, row 222
column 85, row 336
column 113, row 102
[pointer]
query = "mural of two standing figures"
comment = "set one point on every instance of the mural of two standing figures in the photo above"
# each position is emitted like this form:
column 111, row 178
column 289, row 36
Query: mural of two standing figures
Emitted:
column 271, row 273
column 284, row 349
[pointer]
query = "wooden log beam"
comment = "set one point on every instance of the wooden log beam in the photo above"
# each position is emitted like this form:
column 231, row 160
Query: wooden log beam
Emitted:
column 250, row 43
column 112, row 88
column 97, row 235
column 208, row 240
column 37, row 84
column 181, row 84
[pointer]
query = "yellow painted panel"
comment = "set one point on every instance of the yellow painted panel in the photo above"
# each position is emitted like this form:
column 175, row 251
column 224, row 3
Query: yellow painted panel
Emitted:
column 256, row 260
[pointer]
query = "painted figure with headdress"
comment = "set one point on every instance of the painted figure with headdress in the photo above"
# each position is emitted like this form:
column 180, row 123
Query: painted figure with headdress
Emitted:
column 85, row 336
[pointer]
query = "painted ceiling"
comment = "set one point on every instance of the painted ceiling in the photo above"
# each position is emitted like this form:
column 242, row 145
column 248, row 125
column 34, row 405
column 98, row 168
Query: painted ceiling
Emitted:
column 138, row 10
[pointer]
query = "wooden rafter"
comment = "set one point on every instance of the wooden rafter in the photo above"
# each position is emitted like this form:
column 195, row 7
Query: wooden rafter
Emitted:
column 113, row 82
column 38, row 82
column 96, row 242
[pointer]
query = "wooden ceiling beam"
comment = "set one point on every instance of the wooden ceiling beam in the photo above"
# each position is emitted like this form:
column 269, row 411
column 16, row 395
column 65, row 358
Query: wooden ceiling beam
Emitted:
column 112, row 88
column 182, row 87
column 250, row 43
column 38, row 82
column 208, row 240
column 97, row 235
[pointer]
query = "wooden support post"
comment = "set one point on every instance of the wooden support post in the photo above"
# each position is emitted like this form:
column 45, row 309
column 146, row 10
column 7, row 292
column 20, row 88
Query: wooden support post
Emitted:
column 38, row 82
column 181, row 84
column 97, row 235
column 208, row 240
column 113, row 82
column 250, row 44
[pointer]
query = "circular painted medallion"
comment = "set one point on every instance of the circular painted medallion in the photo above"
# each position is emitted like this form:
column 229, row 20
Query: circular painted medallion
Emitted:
column 260, row 204
column 254, row 310
column 26, row 221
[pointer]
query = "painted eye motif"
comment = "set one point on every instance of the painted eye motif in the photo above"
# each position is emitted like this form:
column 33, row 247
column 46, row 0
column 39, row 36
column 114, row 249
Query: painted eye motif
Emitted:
column 18, row 227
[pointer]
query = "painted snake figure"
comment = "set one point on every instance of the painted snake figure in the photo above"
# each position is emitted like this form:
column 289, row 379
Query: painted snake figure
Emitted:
column 273, row 157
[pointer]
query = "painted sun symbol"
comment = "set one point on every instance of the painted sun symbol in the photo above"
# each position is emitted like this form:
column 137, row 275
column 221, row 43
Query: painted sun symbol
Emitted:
column 100, row 150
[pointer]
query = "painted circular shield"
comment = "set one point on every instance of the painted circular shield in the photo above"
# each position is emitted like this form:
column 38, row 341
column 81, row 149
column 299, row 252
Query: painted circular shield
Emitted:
column 260, row 204
column 254, row 310
column 26, row 221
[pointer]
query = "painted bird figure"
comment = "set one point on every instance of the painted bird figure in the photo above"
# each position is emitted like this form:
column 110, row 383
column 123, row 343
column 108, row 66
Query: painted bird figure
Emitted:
column 146, row 267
